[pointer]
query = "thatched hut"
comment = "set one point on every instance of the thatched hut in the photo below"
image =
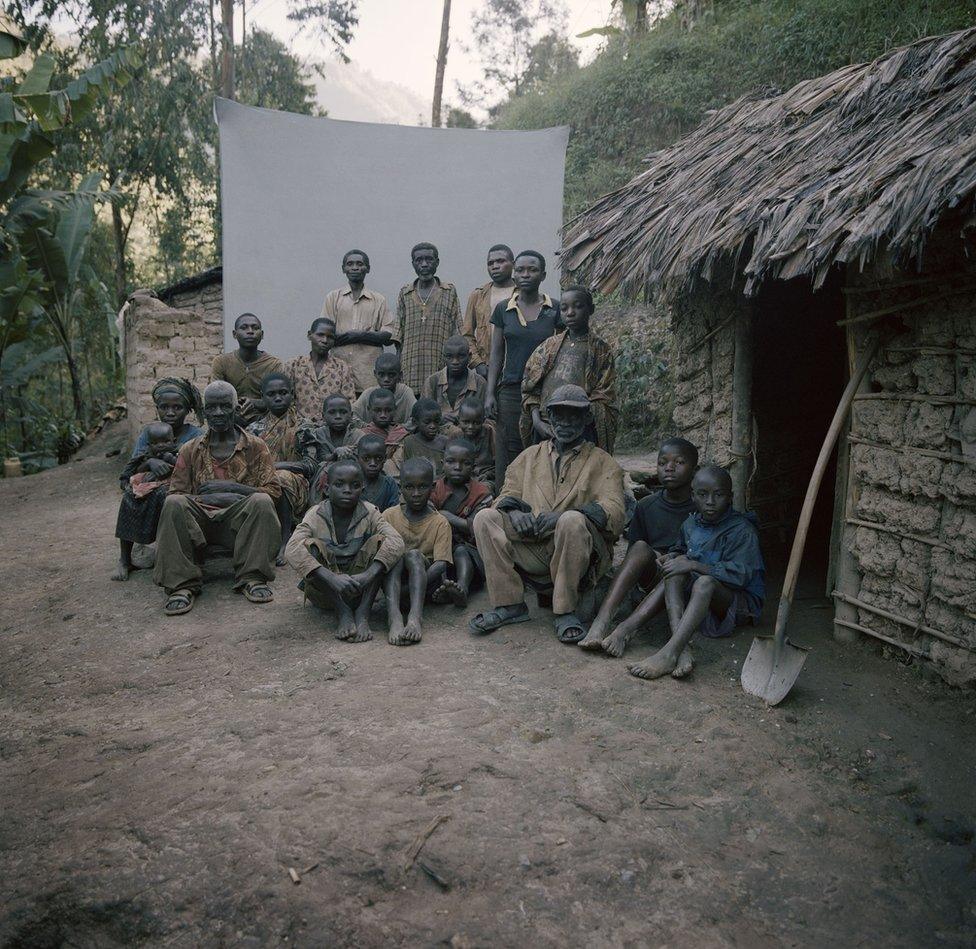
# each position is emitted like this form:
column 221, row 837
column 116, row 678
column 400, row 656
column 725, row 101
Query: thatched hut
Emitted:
column 783, row 233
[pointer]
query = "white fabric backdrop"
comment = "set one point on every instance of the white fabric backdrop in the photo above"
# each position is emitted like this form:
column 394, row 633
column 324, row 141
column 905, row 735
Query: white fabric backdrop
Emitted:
column 298, row 191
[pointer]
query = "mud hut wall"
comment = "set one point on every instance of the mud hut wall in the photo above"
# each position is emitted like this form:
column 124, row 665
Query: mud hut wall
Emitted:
column 702, row 321
column 911, row 517
column 178, row 338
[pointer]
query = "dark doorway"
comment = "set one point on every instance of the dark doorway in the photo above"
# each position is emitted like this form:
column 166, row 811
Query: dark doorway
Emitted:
column 799, row 373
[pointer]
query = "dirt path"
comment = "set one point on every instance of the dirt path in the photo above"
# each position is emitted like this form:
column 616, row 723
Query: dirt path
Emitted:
column 159, row 777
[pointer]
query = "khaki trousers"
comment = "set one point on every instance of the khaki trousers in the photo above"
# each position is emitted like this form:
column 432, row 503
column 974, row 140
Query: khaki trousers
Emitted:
column 564, row 557
column 249, row 527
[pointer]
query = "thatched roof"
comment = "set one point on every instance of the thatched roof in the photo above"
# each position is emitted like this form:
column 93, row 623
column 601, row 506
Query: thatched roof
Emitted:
column 864, row 159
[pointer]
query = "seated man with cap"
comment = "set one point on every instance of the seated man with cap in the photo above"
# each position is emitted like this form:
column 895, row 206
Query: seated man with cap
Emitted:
column 556, row 518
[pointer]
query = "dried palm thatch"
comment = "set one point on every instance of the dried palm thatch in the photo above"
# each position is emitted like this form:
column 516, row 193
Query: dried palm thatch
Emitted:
column 838, row 169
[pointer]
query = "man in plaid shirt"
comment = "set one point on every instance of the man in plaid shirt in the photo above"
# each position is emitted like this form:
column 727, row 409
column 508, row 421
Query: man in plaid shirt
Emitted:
column 429, row 313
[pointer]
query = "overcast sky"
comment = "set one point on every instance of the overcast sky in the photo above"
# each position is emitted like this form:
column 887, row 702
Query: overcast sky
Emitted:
column 396, row 40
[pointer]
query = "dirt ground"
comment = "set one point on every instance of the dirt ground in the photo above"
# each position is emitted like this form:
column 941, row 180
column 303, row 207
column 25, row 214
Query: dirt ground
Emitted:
column 158, row 777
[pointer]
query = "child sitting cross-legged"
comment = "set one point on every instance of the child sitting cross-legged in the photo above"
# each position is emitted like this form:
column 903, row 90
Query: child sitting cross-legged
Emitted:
column 459, row 496
column 714, row 577
column 481, row 434
column 427, row 535
column 653, row 531
column 342, row 550
column 427, row 440
column 389, row 375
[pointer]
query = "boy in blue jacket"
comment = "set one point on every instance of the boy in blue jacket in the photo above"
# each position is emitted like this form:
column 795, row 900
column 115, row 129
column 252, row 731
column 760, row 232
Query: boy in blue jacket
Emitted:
column 713, row 577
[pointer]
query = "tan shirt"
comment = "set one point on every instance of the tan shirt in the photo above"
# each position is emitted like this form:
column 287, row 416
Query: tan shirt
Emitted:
column 476, row 326
column 431, row 536
column 585, row 475
column 368, row 314
column 318, row 526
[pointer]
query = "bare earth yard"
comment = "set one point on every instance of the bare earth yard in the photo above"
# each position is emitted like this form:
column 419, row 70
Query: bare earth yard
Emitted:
column 158, row 776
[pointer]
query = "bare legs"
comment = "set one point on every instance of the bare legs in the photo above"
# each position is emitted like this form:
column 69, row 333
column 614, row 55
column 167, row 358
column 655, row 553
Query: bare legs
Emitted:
column 125, row 564
column 674, row 657
column 352, row 618
column 456, row 590
column 418, row 577
column 639, row 565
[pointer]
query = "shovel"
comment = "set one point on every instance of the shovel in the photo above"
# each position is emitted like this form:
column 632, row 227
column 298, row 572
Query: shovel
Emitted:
column 774, row 663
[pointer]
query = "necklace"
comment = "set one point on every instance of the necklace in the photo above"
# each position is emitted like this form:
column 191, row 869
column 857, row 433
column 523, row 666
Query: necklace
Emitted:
column 424, row 300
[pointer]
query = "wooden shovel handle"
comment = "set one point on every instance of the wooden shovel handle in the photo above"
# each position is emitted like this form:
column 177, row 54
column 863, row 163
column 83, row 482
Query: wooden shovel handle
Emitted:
column 806, row 512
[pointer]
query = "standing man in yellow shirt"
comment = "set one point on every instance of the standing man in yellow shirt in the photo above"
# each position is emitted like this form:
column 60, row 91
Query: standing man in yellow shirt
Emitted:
column 476, row 326
column 364, row 324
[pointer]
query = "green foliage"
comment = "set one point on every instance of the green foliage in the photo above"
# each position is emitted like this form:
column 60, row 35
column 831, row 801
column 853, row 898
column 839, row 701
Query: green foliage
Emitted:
column 458, row 118
column 44, row 282
column 270, row 77
column 330, row 20
column 645, row 390
column 521, row 44
column 644, row 93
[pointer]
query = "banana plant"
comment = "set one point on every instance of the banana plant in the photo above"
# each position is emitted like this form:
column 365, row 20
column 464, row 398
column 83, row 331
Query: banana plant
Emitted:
column 44, row 234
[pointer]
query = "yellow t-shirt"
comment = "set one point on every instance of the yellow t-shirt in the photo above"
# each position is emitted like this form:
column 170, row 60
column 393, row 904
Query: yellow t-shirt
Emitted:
column 431, row 536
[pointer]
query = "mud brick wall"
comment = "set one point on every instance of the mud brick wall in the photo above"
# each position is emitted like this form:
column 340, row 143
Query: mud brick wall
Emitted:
column 913, row 464
column 176, row 338
column 702, row 325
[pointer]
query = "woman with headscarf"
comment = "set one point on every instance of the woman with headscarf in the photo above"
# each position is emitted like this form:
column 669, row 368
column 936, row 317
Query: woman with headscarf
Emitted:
column 139, row 516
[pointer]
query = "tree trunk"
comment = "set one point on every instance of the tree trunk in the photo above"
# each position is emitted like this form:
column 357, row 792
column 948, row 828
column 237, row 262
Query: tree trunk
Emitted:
column 79, row 405
column 435, row 112
column 227, row 50
column 119, row 240
column 640, row 17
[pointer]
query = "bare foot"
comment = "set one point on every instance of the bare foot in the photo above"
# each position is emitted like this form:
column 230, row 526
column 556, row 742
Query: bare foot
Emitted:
column 660, row 664
column 412, row 632
column 280, row 561
column 440, row 595
column 593, row 640
column 122, row 570
column 686, row 662
column 396, row 631
column 455, row 593
column 363, row 632
column 347, row 628
column 615, row 644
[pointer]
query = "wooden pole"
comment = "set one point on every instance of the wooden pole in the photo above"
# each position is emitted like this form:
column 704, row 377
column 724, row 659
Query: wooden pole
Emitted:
column 847, row 575
column 435, row 112
column 227, row 49
column 741, row 447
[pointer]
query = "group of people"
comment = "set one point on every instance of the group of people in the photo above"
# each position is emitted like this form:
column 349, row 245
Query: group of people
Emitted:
column 424, row 454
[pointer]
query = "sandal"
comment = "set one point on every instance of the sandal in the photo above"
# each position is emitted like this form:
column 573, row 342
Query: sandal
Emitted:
column 257, row 592
column 184, row 602
column 494, row 619
column 564, row 626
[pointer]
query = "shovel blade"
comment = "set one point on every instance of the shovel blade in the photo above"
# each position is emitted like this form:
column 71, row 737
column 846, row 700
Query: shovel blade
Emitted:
column 769, row 672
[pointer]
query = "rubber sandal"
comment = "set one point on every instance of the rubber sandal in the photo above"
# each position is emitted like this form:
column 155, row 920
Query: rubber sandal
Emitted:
column 187, row 596
column 248, row 591
column 492, row 620
column 567, row 622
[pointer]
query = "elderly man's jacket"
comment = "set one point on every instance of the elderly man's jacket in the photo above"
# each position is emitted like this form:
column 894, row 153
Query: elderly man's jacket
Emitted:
column 588, row 480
